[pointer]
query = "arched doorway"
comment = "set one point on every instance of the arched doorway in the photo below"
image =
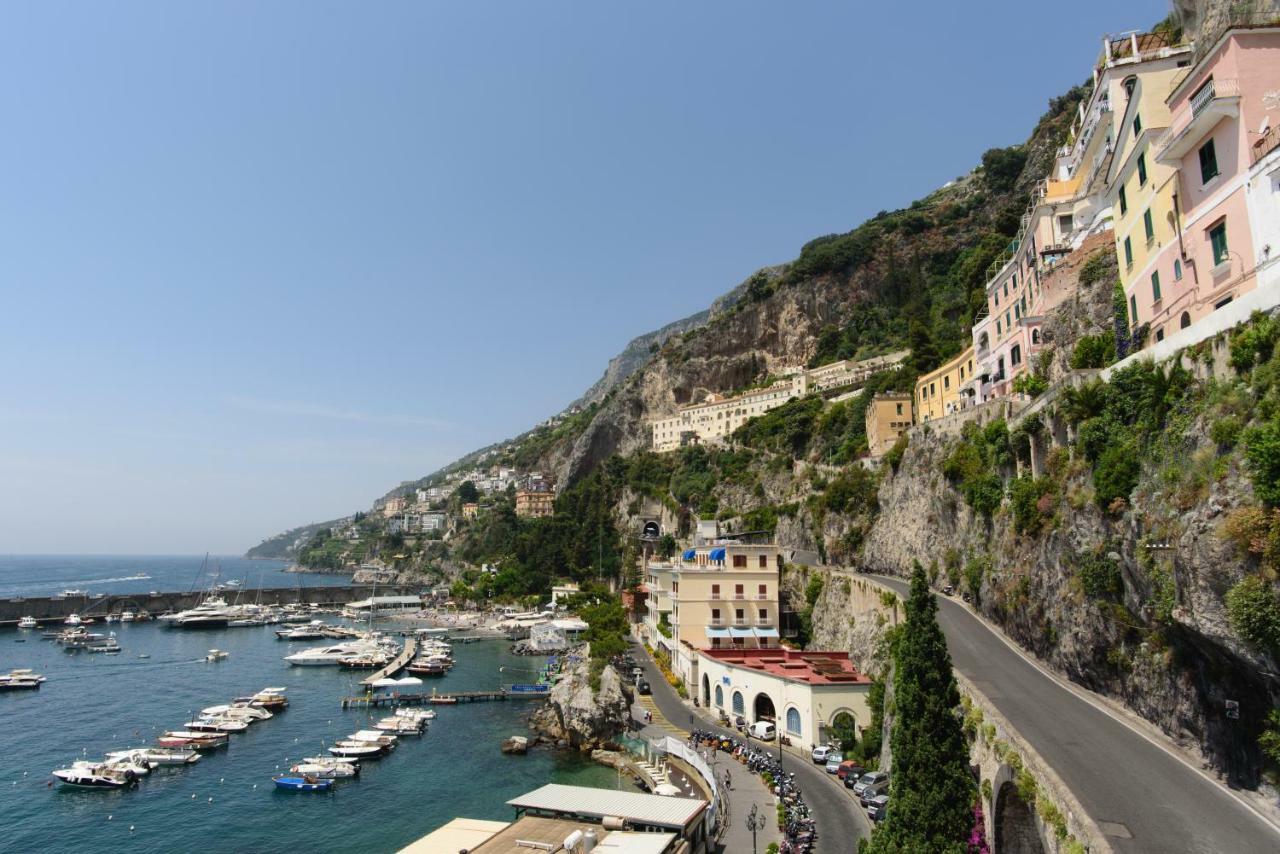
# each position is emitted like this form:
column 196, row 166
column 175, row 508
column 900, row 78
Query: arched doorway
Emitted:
column 719, row 697
column 1185, row 320
column 763, row 709
column 706, row 690
column 844, row 730
column 738, row 704
column 1015, row 823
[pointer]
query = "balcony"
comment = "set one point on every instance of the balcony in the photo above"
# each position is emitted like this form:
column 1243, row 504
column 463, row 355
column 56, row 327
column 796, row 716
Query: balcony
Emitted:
column 739, row 596
column 1213, row 102
column 1266, row 144
column 715, row 594
column 762, row 597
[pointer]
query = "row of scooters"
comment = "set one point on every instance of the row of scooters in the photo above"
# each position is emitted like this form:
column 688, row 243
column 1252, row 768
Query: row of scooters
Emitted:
column 319, row 773
column 210, row 730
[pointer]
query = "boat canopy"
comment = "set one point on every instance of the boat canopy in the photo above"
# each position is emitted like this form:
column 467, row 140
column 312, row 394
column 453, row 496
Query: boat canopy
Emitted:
column 386, row 682
column 716, row 554
column 408, row 680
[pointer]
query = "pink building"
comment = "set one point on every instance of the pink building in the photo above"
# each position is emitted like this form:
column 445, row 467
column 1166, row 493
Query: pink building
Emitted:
column 1222, row 112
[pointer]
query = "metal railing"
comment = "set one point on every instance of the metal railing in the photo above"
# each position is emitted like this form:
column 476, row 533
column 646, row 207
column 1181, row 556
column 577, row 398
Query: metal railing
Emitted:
column 1265, row 144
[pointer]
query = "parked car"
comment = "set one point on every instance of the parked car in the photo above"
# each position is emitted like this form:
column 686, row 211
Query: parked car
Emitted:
column 834, row 758
column 871, row 778
column 851, row 780
column 637, row 671
column 643, row 687
column 763, row 730
column 850, row 768
column 820, row 754
column 877, row 807
column 872, row 792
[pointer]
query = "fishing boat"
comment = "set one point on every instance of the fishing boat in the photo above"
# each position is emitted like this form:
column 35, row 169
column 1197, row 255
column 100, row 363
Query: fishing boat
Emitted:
column 216, row 655
column 95, row 776
column 28, row 623
column 22, row 679
column 336, row 771
column 302, row 783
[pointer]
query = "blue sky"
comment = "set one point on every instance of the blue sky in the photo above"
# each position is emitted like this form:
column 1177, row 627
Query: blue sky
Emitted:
column 262, row 261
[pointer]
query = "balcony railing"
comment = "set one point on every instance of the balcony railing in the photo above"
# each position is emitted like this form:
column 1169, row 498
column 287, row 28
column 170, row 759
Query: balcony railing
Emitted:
column 762, row 596
column 1183, row 121
column 715, row 594
column 739, row 596
column 1266, row 144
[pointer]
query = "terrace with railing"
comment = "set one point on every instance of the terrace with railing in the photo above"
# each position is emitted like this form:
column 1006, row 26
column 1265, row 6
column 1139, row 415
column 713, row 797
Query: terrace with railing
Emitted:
column 1215, row 98
column 1265, row 144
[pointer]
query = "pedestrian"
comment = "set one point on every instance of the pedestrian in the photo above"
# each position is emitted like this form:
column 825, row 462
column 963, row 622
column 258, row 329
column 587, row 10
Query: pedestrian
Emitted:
column 728, row 780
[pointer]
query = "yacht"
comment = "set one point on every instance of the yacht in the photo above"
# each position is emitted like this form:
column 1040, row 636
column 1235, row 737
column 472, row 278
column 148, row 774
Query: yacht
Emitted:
column 72, row 620
column 270, row 699
column 311, row 631
column 96, row 776
column 28, row 623
column 22, row 679
column 216, row 724
column 330, row 655
column 210, row 614
column 127, row 616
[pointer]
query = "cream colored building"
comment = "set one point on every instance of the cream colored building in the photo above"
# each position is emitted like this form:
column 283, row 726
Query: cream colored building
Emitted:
column 802, row 692
column 719, row 596
column 394, row 505
column 535, row 504
column 888, row 417
column 715, row 418
column 938, row 392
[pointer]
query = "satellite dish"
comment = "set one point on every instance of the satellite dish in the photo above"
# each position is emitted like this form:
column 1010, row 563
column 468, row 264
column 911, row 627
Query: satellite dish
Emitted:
column 651, row 530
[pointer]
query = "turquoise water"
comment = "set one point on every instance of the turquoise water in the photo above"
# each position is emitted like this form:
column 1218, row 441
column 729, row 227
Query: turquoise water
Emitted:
column 47, row 575
column 94, row 703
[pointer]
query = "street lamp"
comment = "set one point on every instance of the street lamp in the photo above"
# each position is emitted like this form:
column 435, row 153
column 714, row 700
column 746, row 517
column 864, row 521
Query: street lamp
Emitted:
column 755, row 823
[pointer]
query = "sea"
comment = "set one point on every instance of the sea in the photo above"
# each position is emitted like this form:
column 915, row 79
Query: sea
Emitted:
column 93, row 703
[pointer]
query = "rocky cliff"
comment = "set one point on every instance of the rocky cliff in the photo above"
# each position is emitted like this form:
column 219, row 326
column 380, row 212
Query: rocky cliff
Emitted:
column 576, row 716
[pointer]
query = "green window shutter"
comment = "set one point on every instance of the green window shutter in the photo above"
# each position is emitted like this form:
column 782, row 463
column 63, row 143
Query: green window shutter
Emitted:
column 1128, row 253
column 1208, row 162
column 1218, row 239
column 1148, row 224
column 1137, row 125
column 1124, row 201
column 1133, row 311
column 1142, row 169
column 1155, row 286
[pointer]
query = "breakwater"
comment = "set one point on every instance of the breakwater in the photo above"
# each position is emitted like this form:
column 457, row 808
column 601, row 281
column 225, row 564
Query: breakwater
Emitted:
column 49, row 608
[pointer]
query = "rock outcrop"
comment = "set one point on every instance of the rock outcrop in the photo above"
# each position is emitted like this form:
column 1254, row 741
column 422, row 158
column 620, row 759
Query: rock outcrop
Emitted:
column 576, row 716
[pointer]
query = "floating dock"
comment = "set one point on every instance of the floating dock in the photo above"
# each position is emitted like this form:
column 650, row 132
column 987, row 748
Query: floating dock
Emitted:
column 397, row 664
column 453, row 698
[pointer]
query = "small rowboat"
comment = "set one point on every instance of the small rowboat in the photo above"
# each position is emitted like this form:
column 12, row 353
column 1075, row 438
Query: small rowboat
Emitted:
column 303, row 784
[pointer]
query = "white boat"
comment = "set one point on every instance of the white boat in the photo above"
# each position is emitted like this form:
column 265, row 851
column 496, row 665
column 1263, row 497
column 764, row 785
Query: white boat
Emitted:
column 212, row 613
column 28, row 623
column 373, row 736
column 110, row 646
column 139, row 767
column 22, row 679
column 216, row 724
column 158, row 755
column 336, row 771
column 400, row 726
column 357, row 749
column 96, row 776
column 127, row 616
column 216, row 655
column 72, row 620
column 330, row 760
column 330, row 655
column 271, row 699
column 236, row 710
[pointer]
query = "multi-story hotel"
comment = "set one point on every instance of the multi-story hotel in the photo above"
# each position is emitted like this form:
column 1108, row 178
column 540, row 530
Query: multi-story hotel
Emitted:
column 717, row 416
column 718, row 596
column 939, row 392
column 888, row 417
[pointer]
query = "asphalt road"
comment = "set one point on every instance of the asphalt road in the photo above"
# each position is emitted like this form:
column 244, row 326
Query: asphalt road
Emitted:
column 1144, row 799
column 840, row 821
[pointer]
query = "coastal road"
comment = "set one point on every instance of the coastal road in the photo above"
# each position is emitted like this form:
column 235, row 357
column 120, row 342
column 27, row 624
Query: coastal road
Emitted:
column 840, row 821
column 1143, row 798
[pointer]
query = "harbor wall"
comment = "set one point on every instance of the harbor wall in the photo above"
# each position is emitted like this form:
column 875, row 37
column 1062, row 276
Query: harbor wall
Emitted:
column 47, row 608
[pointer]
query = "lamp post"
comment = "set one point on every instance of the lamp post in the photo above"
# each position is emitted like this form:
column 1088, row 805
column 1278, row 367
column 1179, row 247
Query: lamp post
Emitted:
column 755, row 823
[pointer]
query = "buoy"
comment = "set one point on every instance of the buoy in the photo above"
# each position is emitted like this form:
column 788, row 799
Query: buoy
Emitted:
column 193, row 796
column 222, row 779
column 211, row 800
column 131, row 828
column 255, row 785
column 109, row 818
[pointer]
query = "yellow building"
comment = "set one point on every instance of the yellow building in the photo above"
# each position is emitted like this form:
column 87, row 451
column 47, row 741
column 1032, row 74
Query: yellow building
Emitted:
column 888, row 417
column 535, row 504
column 938, row 392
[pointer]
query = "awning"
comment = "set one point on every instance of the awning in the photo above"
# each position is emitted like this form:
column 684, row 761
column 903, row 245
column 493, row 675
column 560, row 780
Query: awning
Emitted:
column 767, row 633
column 717, row 633
column 742, row 633
column 690, row 554
column 716, row 554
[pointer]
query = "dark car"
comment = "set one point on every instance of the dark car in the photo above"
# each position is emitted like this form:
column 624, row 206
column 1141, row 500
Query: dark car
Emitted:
column 643, row 687
column 850, row 768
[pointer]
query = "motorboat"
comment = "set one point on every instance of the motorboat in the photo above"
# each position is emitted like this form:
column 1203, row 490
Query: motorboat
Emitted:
column 80, row 637
column 330, row 655
column 22, row 679
column 96, row 776
column 202, row 741
column 311, row 631
column 70, row 593
column 158, row 755
column 139, row 767
column 72, row 620
column 373, row 736
column 127, row 616
column 111, row 618
column 237, row 710
column 216, row 655
column 28, row 623
column 303, row 783
column 336, row 771
column 364, row 661
column 271, row 699
column 357, row 749
column 110, row 646
column 331, row 760
column 400, row 726
column 216, row 724
column 213, row 613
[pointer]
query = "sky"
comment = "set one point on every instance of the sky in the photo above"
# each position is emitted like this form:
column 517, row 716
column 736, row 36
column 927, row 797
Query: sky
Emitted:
column 260, row 262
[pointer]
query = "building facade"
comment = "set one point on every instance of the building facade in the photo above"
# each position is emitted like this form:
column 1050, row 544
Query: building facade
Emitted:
column 888, row 417
column 535, row 504
column 938, row 393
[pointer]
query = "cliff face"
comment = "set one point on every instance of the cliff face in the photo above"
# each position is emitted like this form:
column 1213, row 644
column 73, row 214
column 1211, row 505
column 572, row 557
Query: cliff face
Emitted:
column 579, row 717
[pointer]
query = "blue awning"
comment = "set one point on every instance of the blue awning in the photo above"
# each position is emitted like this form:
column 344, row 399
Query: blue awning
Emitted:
column 766, row 633
column 717, row 633
column 741, row 633
column 690, row 554
column 716, row 554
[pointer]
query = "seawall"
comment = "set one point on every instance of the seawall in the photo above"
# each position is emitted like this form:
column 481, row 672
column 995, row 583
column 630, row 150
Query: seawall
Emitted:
column 47, row 608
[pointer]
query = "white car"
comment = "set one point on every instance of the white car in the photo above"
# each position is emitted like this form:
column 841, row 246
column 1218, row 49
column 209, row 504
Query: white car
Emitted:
column 820, row 754
column 763, row 730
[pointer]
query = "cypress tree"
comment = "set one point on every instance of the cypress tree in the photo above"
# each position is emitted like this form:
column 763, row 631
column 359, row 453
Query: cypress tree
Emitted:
column 931, row 791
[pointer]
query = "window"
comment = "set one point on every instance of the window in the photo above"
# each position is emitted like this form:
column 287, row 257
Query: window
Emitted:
column 1142, row 169
column 1006, row 287
column 1185, row 321
column 1007, row 324
column 737, row 588
column 719, row 697
column 675, row 587
column 1218, row 240
column 793, row 721
column 1159, row 335
column 1208, row 163
column 763, row 589
column 715, row 615
column 1137, row 124
column 738, row 615
column 1015, row 355
column 1133, row 311
column 739, row 562
column 715, row 591
column 932, row 389
column 1177, row 269
column 998, row 327
column 1155, row 286
column 1128, row 253
column 1124, row 201
column 899, row 409
column 764, row 615
column 946, row 383
column 1148, row 226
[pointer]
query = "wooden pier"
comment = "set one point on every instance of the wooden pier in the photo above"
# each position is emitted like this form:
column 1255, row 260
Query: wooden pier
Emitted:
column 453, row 698
column 397, row 664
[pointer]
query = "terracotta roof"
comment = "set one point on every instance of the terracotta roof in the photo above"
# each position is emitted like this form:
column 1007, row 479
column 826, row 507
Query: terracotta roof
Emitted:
column 813, row 668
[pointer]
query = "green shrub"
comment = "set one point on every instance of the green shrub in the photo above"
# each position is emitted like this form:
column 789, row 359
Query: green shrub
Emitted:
column 1262, row 456
column 894, row 455
column 1254, row 342
column 1254, row 611
column 1116, row 473
column 1094, row 351
column 1099, row 268
column 974, row 572
column 1025, row 494
column 1226, row 431
column 1100, row 576
column 1030, row 384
